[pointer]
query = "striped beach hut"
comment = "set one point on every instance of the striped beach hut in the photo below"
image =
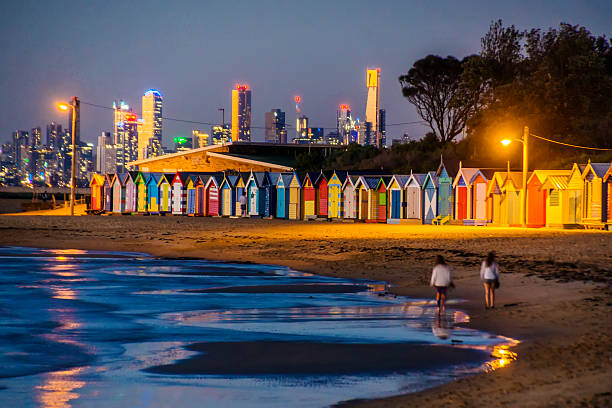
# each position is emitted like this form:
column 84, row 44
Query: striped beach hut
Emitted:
column 445, row 194
column 322, row 200
column 108, row 192
column 153, row 192
column 200, row 194
column 504, row 191
column 414, row 196
column 335, row 201
column 396, row 198
column 228, row 195
column 270, row 196
column 430, row 197
column 141, row 196
column 165, row 193
column 282, row 195
column 350, row 198
column 118, row 187
column 97, row 192
column 595, row 195
column 295, row 198
column 309, row 196
column 367, row 188
column 131, row 192
column 212, row 194
column 191, row 181
column 536, row 196
column 179, row 193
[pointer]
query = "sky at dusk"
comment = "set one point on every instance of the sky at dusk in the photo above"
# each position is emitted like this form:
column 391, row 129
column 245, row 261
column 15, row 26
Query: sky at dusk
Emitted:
column 195, row 52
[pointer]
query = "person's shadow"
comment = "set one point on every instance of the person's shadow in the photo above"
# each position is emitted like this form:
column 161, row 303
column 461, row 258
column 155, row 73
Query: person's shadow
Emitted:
column 440, row 328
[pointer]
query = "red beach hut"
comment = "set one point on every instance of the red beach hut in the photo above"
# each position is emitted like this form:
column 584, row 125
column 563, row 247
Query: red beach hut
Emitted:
column 322, row 193
column 212, row 194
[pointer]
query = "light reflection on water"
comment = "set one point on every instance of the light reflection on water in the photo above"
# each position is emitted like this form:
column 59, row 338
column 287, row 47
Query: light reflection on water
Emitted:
column 82, row 325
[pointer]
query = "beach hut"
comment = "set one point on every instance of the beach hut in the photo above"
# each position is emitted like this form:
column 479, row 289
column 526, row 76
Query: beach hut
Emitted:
column 240, row 186
column 595, row 195
column 165, row 193
column 179, row 193
column 295, row 198
column 118, row 187
column 335, row 201
column 368, row 198
column 282, row 195
column 228, row 195
column 108, row 192
column 564, row 198
column 430, row 197
column 309, row 196
column 414, row 196
column 273, row 180
column 141, row 196
column 480, row 205
column 153, row 192
column 608, row 181
column 350, row 201
column 505, row 191
column 267, row 194
column 395, row 198
column 445, row 194
column 382, row 199
column 254, row 194
column 462, row 188
column 190, row 187
column 212, row 194
column 201, row 203
column 322, row 200
column 536, row 196
column 97, row 192
column 131, row 192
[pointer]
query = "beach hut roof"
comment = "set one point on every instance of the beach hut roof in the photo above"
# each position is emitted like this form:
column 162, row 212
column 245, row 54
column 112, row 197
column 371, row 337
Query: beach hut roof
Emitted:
column 96, row 179
column 541, row 175
column 341, row 174
column 431, row 178
column 465, row 173
column 386, row 180
column 418, row 178
column 401, row 179
column 274, row 176
column 231, row 180
column 369, row 182
column 599, row 169
column 286, row 178
column 262, row 178
column 555, row 182
column 441, row 171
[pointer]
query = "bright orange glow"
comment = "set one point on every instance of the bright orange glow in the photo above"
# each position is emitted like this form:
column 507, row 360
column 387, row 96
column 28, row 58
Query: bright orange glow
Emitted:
column 345, row 107
column 297, row 99
column 60, row 388
column 63, row 106
column 238, row 86
column 245, row 87
column 506, row 142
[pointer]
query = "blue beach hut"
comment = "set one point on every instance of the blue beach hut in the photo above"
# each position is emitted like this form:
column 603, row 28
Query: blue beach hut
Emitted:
column 282, row 195
column 430, row 197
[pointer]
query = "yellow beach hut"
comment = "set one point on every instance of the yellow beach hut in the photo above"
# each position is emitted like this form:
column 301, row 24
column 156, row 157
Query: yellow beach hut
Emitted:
column 564, row 198
column 295, row 198
column 595, row 195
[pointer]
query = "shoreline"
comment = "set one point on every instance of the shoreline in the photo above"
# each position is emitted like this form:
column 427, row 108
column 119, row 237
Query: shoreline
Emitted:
column 565, row 350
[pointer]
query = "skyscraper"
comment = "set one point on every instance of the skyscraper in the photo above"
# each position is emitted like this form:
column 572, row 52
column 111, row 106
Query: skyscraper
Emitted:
column 382, row 130
column 125, row 131
column 35, row 137
column 373, row 106
column 54, row 134
column 200, row 138
column 345, row 125
column 106, row 154
column 276, row 130
column 151, row 125
column 241, row 114
column 220, row 134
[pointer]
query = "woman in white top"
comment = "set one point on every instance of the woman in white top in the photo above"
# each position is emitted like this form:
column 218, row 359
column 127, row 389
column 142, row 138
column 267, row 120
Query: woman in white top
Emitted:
column 489, row 274
column 441, row 279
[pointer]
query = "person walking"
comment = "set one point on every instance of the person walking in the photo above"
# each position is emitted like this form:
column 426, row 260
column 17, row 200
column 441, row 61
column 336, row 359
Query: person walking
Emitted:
column 441, row 279
column 489, row 274
column 243, row 203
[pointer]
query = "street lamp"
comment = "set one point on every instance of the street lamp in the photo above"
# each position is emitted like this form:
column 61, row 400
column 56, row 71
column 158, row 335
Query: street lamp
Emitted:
column 75, row 105
column 525, row 141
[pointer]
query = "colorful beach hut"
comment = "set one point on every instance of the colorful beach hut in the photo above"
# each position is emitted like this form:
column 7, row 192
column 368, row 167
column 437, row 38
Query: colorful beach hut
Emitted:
column 382, row 199
column 350, row 198
column 153, row 192
column 131, row 192
column 430, row 197
column 462, row 188
column 414, row 196
column 269, row 198
column 190, row 186
column 141, row 196
column 165, row 193
column 564, row 198
column 295, row 198
column 396, row 198
column 201, row 203
column 282, row 195
column 212, row 194
column 97, row 192
column 118, row 186
column 108, row 192
column 504, row 191
column 179, row 194
column 608, row 181
column 335, row 201
column 445, row 194
column 322, row 200
column 595, row 208
column 367, row 188
column 309, row 196
column 240, row 188
column 536, row 196
column 228, row 195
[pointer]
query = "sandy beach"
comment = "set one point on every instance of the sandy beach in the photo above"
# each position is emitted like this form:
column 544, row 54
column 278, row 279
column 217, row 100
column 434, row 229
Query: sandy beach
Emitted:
column 555, row 294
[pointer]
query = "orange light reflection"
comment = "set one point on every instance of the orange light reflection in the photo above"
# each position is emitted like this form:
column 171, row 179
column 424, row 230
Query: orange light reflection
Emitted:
column 59, row 387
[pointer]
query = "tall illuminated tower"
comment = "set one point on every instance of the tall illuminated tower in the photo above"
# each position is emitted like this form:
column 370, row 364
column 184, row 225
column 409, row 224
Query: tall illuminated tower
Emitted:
column 150, row 134
column 241, row 114
column 297, row 116
column 125, row 132
column 373, row 106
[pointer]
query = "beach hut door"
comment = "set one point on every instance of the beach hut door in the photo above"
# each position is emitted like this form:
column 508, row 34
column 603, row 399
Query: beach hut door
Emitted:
column 396, row 203
column 253, row 200
column 481, row 191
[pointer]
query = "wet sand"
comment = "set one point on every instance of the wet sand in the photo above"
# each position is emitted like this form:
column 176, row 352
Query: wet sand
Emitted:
column 555, row 293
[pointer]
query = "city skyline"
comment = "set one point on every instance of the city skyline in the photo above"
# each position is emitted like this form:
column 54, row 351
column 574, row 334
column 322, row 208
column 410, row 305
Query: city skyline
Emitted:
column 93, row 69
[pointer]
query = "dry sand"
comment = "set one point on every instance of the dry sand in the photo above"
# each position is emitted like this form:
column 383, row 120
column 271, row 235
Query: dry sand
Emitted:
column 555, row 295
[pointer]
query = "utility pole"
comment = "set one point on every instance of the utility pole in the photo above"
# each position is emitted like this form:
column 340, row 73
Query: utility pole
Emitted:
column 75, row 110
column 525, row 170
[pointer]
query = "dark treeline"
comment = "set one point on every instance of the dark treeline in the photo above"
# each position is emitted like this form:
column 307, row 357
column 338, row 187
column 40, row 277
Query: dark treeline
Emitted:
column 558, row 82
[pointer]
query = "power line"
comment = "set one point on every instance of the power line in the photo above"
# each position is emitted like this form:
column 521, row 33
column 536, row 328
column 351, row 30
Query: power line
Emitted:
column 567, row 144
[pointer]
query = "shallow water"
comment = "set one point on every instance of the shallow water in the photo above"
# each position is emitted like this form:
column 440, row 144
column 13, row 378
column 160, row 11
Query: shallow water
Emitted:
column 95, row 329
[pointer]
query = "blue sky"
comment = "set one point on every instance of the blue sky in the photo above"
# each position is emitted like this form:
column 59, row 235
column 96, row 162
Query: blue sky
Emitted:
column 195, row 52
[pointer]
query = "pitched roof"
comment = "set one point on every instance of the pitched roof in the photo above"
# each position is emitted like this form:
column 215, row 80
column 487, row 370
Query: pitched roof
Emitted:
column 402, row 179
column 599, row 169
column 541, row 175
column 418, row 178
column 431, row 175
column 555, row 182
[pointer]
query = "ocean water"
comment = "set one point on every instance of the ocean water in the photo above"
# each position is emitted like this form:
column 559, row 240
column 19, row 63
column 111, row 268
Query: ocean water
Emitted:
column 111, row 329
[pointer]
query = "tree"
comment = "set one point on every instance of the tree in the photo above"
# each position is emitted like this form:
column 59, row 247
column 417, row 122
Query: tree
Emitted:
column 432, row 85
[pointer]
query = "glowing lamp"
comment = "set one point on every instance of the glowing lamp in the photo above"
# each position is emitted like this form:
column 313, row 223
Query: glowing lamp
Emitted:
column 245, row 87
column 297, row 99
column 63, row 106
column 238, row 86
column 506, row 142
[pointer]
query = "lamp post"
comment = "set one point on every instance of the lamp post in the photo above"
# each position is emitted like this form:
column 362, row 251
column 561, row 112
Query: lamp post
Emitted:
column 525, row 141
column 75, row 105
